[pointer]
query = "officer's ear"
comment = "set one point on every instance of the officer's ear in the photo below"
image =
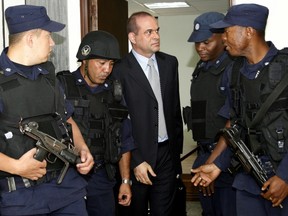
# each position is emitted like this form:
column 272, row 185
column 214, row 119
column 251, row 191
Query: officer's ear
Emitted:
column 250, row 32
column 29, row 36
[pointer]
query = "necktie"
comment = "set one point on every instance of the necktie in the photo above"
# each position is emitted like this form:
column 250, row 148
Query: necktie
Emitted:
column 153, row 77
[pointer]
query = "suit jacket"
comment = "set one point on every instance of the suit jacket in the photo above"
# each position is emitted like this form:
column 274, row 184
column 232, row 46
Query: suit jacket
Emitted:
column 143, row 107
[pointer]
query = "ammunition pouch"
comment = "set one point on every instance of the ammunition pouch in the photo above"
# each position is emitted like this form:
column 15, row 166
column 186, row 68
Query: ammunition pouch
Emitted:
column 113, row 143
column 275, row 135
column 118, row 111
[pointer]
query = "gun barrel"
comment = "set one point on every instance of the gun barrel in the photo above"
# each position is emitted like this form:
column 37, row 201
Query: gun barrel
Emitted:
column 248, row 160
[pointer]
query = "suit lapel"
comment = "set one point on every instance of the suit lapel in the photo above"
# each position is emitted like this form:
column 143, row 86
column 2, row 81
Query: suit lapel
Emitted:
column 162, row 67
column 136, row 72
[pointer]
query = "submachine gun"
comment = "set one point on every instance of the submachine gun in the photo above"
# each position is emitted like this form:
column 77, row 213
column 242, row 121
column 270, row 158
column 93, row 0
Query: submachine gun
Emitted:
column 47, row 144
column 250, row 163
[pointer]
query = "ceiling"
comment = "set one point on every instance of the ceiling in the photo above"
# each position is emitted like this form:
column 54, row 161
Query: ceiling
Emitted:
column 196, row 7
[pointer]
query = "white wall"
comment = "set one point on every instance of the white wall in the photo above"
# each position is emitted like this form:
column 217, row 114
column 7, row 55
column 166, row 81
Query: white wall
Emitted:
column 174, row 32
column 74, row 32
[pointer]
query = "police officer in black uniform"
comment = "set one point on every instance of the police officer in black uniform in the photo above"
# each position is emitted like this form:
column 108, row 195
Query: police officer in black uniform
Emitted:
column 29, row 93
column 206, row 115
column 258, row 109
column 102, row 119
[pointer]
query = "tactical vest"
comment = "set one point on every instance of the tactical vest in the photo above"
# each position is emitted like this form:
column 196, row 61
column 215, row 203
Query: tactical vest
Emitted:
column 270, row 136
column 206, row 101
column 98, row 115
column 23, row 101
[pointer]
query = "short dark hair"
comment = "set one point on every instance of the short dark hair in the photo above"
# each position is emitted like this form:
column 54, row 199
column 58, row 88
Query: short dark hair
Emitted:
column 131, row 22
column 15, row 38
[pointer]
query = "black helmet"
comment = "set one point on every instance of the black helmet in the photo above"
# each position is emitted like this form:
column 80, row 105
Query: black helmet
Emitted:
column 98, row 44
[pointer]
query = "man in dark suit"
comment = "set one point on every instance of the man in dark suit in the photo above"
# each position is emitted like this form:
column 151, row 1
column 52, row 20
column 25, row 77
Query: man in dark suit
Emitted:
column 156, row 118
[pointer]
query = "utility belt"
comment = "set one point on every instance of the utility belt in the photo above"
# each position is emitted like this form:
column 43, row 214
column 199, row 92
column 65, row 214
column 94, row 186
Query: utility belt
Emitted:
column 109, row 168
column 13, row 183
column 99, row 162
column 205, row 147
column 98, row 165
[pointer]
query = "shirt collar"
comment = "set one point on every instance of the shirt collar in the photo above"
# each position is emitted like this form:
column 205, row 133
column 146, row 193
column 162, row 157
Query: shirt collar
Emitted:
column 216, row 63
column 81, row 81
column 143, row 61
column 10, row 68
column 252, row 70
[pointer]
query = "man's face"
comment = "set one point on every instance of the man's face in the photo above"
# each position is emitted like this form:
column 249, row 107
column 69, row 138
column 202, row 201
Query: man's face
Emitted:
column 235, row 40
column 99, row 70
column 42, row 45
column 147, row 40
column 210, row 49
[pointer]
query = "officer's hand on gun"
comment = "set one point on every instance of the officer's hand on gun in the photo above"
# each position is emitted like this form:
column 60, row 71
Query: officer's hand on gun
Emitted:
column 26, row 166
column 275, row 190
column 87, row 161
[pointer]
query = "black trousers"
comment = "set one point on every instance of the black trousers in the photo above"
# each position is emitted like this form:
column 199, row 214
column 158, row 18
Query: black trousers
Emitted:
column 159, row 196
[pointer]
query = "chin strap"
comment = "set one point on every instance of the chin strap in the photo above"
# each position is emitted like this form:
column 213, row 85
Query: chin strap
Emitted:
column 86, row 73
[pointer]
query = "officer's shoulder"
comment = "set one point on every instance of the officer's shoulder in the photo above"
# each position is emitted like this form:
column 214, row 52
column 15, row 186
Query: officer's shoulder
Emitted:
column 282, row 56
column 284, row 51
column 49, row 66
column 64, row 73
